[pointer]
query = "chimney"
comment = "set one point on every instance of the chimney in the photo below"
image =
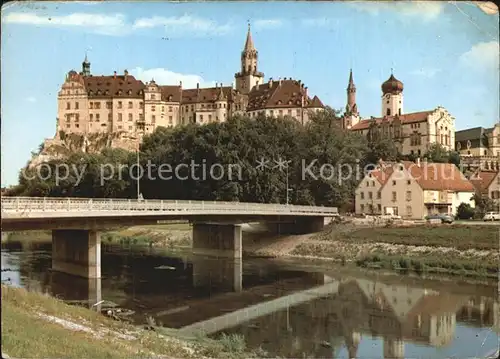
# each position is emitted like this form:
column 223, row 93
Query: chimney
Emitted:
column 300, row 82
column 180, row 84
column 418, row 161
column 197, row 85
column 216, row 85
column 114, row 74
column 305, row 90
column 221, row 85
column 279, row 81
column 270, row 82
column 126, row 73
column 257, row 86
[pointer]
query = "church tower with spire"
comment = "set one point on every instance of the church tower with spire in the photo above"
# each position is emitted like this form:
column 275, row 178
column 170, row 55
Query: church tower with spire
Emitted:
column 351, row 115
column 248, row 76
column 86, row 67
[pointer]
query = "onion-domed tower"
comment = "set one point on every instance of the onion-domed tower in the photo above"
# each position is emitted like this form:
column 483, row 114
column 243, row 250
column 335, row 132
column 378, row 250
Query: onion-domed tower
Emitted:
column 392, row 97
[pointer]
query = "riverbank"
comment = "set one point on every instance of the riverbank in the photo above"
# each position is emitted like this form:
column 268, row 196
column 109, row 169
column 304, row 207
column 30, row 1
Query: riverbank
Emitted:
column 35, row 325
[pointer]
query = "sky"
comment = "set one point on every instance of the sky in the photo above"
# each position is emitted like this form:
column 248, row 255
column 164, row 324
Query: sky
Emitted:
column 446, row 54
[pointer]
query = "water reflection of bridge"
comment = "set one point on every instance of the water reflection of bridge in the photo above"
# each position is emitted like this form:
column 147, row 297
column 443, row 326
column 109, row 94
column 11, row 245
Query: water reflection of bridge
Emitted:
column 287, row 314
column 337, row 313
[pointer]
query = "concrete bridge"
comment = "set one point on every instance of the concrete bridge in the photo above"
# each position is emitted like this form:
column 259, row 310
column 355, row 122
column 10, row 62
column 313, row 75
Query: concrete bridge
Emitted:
column 76, row 224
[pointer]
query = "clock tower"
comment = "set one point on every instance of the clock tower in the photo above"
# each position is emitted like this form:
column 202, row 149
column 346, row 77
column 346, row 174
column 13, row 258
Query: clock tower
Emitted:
column 392, row 97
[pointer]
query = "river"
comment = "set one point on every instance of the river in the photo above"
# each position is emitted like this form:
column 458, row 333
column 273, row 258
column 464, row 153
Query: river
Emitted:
column 289, row 309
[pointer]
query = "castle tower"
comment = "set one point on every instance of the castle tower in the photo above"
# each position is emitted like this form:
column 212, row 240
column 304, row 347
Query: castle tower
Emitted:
column 351, row 107
column 392, row 97
column 86, row 67
column 248, row 77
column 351, row 115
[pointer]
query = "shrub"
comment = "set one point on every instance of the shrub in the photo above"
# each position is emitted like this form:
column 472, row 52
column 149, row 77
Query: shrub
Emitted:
column 465, row 211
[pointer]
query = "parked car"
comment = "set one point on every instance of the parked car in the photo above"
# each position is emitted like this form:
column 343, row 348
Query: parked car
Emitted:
column 491, row 216
column 445, row 218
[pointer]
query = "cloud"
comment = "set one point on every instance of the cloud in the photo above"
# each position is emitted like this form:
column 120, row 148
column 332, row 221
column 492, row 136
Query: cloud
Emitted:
column 183, row 25
column 104, row 24
column 267, row 23
column 31, row 99
column 422, row 10
column 427, row 72
column 483, row 56
column 117, row 24
column 166, row 77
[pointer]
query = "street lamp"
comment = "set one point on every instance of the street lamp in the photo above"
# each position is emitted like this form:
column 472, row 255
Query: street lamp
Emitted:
column 287, row 188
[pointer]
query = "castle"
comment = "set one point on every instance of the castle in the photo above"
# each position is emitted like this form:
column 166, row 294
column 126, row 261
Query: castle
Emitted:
column 128, row 108
column 123, row 104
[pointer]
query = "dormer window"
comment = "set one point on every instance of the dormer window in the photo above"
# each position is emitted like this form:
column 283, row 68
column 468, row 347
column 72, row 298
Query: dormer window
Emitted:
column 170, row 97
column 129, row 92
column 120, row 92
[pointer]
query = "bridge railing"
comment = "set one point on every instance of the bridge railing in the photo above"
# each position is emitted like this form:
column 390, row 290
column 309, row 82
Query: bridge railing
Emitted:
column 44, row 204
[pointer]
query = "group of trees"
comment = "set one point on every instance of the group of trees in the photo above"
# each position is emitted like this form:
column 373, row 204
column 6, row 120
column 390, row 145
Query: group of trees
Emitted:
column 237, row 160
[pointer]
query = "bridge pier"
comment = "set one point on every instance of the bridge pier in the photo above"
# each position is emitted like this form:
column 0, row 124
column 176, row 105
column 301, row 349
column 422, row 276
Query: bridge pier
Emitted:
column 219, row 240
column 301, row 225
column 77, row 252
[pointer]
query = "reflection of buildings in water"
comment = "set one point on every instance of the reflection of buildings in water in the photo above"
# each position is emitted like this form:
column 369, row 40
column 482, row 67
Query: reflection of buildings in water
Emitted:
column 397, row 313
column 482, row 311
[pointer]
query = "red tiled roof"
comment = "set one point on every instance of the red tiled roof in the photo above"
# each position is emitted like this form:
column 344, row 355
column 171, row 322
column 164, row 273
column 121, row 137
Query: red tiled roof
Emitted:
column 439, row 176
column 482, row 180
column 113, row 86
column 205, row 94
column 170, row 93
column 288, row 93
column 413, row 117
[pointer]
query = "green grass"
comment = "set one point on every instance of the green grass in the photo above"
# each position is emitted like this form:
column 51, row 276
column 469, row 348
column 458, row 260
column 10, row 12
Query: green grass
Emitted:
column 431, row 264
column 460, row 237
column 26, row 335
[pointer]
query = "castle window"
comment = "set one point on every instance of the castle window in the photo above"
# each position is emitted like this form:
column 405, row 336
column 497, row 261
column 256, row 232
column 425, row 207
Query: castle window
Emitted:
column 153, row 108
column 141, row 105
column 209, row 118
column 130, row 117
column 91, row 117
column 399, row 112
column 110, row 118
column 120, row 105
column 153, row 119
column 170, row 119
column 163, row 109
column 77, row 126
column 97, row 106
column 77, row 117
column 388, row 112
column 120, row 117
column 280, row 112
column 169, row 108
column 153, row 97
column 76, row 105
column 97, row 117
column 130, row 104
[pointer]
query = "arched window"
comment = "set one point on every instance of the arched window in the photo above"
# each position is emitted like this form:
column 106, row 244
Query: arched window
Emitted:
column 388, row 112
column 399, row 112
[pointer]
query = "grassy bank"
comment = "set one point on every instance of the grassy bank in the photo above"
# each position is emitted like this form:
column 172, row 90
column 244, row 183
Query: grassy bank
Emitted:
column 35, row 325
column 460, row 250
column 168, row 235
